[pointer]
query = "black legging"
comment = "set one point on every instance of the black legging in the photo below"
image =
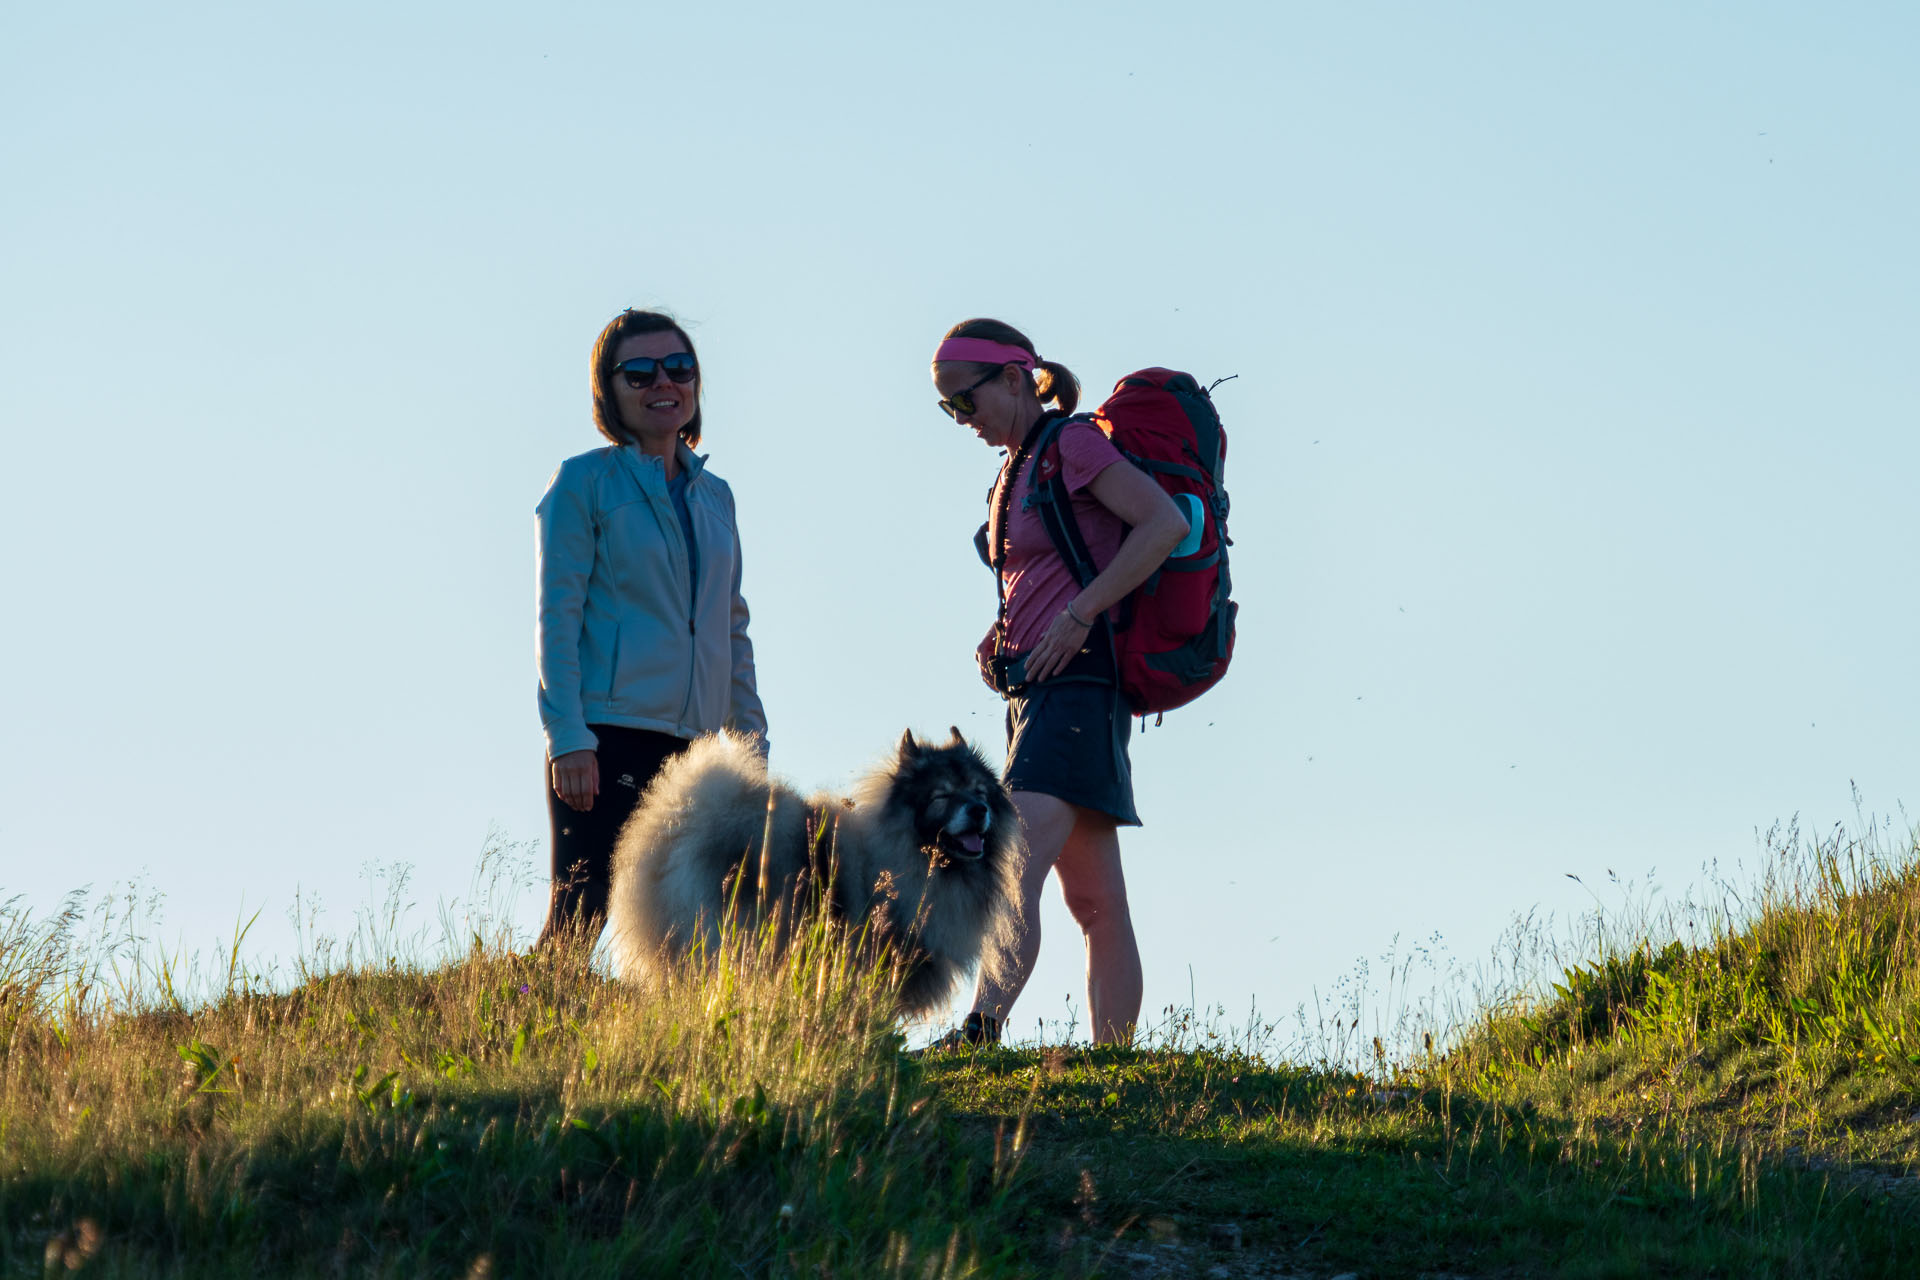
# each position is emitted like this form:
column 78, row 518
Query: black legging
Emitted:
column 582, row 843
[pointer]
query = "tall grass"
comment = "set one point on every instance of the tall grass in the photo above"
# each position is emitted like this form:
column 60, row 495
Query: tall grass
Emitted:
column 1789, row 1010
column 1711, row 1087
column 492, row 1112
column 1722, row 1089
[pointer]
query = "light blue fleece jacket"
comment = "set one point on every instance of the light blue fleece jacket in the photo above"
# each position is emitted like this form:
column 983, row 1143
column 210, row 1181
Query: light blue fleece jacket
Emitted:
column 625, row 635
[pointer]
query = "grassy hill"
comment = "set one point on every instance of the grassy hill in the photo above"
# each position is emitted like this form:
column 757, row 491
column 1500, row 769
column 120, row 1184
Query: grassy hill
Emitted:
column 1738, row 1104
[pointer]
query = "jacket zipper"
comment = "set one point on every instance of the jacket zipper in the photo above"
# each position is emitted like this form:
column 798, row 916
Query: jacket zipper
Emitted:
column 693, row 600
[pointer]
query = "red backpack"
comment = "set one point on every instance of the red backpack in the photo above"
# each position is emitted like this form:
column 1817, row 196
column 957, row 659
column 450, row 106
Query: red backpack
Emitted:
column 1173, row 635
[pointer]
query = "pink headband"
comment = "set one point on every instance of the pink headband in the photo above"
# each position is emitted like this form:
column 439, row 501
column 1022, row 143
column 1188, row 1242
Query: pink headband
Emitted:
column 981, row 351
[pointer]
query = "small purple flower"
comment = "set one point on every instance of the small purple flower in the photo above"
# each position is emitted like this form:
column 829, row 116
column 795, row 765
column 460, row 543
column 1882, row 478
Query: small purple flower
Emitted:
column 523, row 988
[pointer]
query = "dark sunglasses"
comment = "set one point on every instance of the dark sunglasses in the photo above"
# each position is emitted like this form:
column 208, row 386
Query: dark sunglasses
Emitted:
column 961, row 401
column 640, row 371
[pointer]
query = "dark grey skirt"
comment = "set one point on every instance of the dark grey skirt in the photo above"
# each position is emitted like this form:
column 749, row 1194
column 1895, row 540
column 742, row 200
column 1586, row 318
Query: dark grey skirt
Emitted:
column 1069, row 741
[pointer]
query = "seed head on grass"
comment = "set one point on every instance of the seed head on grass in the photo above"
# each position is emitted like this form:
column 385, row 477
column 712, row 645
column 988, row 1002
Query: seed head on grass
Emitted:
column 579, row 1124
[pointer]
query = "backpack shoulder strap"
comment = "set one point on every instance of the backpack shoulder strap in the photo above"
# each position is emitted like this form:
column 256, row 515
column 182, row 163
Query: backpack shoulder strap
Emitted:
column 983, row 536
column 1048, row 494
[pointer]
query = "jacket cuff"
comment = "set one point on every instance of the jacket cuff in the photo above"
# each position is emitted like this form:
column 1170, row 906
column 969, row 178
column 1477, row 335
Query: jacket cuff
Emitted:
column 563, row 739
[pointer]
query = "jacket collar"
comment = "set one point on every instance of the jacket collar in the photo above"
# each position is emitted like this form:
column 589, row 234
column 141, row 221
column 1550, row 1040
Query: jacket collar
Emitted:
column 645, row 465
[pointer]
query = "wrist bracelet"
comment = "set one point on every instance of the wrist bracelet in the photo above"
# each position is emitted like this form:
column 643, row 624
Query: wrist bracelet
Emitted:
column 1076, row 617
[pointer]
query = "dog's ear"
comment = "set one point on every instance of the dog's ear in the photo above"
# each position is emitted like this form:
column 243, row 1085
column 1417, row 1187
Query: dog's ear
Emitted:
column 959, row 738
column 908, row 747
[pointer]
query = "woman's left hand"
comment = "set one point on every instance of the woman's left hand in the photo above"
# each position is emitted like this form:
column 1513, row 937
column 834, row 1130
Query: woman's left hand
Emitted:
column 1062, row 642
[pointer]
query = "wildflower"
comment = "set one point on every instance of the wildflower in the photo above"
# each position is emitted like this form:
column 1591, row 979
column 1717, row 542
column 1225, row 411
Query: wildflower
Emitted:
column 523, row 988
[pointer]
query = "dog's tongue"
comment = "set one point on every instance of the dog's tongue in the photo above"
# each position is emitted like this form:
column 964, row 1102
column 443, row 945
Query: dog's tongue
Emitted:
column 972, row 842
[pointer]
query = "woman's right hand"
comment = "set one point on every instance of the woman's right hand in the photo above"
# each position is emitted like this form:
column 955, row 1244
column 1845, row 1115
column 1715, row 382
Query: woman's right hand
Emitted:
column 576, row 779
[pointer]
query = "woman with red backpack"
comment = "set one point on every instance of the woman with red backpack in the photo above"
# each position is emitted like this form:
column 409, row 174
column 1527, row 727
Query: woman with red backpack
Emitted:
column 1050, row 653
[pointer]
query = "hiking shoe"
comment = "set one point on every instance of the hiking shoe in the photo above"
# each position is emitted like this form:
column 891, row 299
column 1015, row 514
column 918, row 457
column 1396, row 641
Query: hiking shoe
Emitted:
column 975, row 1030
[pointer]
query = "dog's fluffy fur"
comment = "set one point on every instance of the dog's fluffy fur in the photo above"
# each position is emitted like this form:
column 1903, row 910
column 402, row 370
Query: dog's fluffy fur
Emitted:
column 926, row 853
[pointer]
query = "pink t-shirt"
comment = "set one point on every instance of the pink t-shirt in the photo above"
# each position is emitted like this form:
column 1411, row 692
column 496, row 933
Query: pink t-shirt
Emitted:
column 1038, row 582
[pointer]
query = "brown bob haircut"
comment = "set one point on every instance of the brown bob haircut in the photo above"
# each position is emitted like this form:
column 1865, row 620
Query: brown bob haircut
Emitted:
column 1050, row 381
column 606, row 414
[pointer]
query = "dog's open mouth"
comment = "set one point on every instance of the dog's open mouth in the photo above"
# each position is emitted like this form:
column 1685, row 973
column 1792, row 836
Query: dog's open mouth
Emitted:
column 968, row 846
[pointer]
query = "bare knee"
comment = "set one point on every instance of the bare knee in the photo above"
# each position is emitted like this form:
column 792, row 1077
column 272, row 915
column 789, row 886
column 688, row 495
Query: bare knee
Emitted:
column 1091, row 881
column 1096, row 906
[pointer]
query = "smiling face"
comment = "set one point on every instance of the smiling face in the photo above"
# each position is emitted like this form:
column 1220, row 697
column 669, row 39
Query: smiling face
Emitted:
column 655, row 413
column 999, row 414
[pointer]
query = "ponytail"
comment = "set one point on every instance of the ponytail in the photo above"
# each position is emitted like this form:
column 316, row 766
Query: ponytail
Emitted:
column 1056, row 383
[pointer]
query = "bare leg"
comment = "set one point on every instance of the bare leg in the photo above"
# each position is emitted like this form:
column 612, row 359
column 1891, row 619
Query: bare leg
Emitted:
column 1047, row 822
column 1084, row 848
column 1095, row 890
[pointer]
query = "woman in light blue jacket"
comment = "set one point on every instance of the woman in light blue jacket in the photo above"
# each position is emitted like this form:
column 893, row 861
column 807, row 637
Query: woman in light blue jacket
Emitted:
column 642, row 641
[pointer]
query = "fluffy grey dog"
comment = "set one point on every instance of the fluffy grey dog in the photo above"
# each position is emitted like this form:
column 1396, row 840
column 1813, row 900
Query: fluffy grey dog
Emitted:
column 926, row 853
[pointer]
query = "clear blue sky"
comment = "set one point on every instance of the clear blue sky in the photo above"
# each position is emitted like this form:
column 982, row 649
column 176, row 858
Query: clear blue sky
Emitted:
column 1573, row 446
